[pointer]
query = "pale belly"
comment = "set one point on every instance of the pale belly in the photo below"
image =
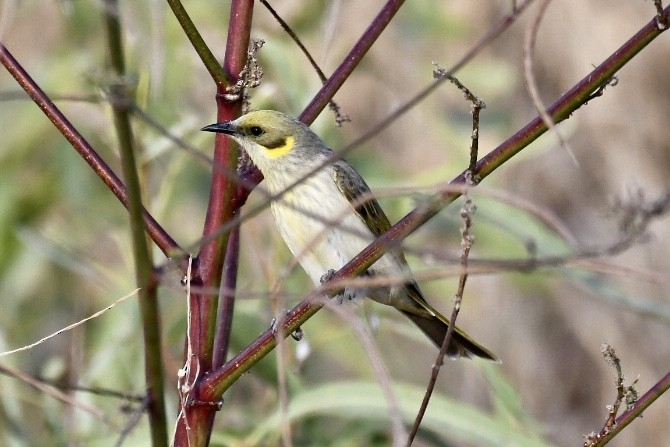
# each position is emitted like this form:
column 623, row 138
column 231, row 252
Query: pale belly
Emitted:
column 324, row 233
column 321, row 229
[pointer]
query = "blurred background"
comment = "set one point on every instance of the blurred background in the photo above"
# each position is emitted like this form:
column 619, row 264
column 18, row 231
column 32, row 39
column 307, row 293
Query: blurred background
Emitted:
column 64, row 237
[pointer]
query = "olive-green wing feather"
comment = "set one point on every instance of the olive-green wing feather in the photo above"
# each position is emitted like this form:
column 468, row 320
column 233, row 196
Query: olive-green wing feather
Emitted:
column 358, row 193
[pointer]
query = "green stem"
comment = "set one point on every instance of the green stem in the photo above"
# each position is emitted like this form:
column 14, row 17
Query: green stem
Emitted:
column 148, row 301
column 207, row 57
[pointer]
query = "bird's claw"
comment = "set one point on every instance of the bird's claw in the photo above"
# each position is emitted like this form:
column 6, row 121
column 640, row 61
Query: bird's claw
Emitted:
column 347, row 294
column 327, row 276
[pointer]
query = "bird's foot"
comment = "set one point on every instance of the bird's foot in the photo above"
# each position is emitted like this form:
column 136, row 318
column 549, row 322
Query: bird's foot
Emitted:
column 348, row 293
column 327, row 276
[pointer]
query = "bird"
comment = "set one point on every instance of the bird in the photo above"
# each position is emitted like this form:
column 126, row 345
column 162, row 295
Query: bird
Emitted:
column 326, row 214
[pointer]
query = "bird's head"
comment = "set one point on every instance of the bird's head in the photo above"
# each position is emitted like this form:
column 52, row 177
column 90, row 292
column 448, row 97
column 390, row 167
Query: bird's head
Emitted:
column 272, row 139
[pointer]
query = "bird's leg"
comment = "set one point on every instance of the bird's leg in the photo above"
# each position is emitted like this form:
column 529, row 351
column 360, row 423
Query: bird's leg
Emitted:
column 327, row 276
column 349, row 293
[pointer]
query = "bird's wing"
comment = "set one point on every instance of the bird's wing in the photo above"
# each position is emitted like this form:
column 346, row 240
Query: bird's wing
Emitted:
column 433, row 323
column 357, row 192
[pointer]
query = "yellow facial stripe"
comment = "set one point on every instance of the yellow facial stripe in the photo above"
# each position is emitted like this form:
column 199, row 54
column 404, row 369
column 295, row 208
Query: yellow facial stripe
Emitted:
column 282, row 150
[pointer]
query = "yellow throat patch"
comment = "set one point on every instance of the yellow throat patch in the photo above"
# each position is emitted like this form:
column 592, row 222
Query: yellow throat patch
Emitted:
column 282, row 150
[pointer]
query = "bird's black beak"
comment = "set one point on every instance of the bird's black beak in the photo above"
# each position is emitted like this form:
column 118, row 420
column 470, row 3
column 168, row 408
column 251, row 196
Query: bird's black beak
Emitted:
column 228, row 128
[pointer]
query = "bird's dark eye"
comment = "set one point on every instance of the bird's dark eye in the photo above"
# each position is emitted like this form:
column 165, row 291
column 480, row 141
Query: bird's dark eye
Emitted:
column 256, row 131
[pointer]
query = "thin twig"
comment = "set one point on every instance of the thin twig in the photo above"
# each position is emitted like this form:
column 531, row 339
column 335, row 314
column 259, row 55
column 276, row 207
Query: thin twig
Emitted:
column 467, row 211
column 625, row 394
column 382, row 376
column 662, row 19
column 477, row 106
column 185, row 379
column 120, row 92
column 55, row 393
column 636, row 409
column 351, row 61
column 528, row 51
column 227, row 300
column 219, row 75
column 70, row 326
column 339, row 118
column 133, row 420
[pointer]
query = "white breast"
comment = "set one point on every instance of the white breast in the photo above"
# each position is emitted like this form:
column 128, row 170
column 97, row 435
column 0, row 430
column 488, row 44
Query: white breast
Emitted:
column 321, row 229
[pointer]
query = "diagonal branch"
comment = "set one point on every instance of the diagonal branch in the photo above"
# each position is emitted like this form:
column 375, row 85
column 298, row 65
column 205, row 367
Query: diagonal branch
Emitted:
column 350, row 62
column 79, row 143
column 638, row 407
column 221, row 78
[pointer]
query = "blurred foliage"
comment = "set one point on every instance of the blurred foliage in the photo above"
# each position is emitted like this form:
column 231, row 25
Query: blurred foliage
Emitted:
column 65, row 251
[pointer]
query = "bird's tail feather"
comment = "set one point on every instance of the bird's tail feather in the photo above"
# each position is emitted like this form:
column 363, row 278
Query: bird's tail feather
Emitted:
column 460, row 345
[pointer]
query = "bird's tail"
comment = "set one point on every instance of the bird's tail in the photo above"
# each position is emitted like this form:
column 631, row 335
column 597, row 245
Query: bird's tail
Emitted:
column 460, row 345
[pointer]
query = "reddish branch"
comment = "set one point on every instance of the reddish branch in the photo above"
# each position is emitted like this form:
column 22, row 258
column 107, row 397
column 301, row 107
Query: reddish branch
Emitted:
column 79, row 143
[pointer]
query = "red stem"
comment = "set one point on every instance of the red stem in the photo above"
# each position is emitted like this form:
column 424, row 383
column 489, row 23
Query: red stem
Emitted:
column 350, row 62
column 195, row 428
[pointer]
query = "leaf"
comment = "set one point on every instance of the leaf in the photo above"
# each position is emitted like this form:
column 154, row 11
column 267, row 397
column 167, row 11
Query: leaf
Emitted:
column 364, row 401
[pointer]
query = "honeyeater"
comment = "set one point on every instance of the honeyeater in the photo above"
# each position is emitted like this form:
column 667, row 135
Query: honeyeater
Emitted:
column 330, row 216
